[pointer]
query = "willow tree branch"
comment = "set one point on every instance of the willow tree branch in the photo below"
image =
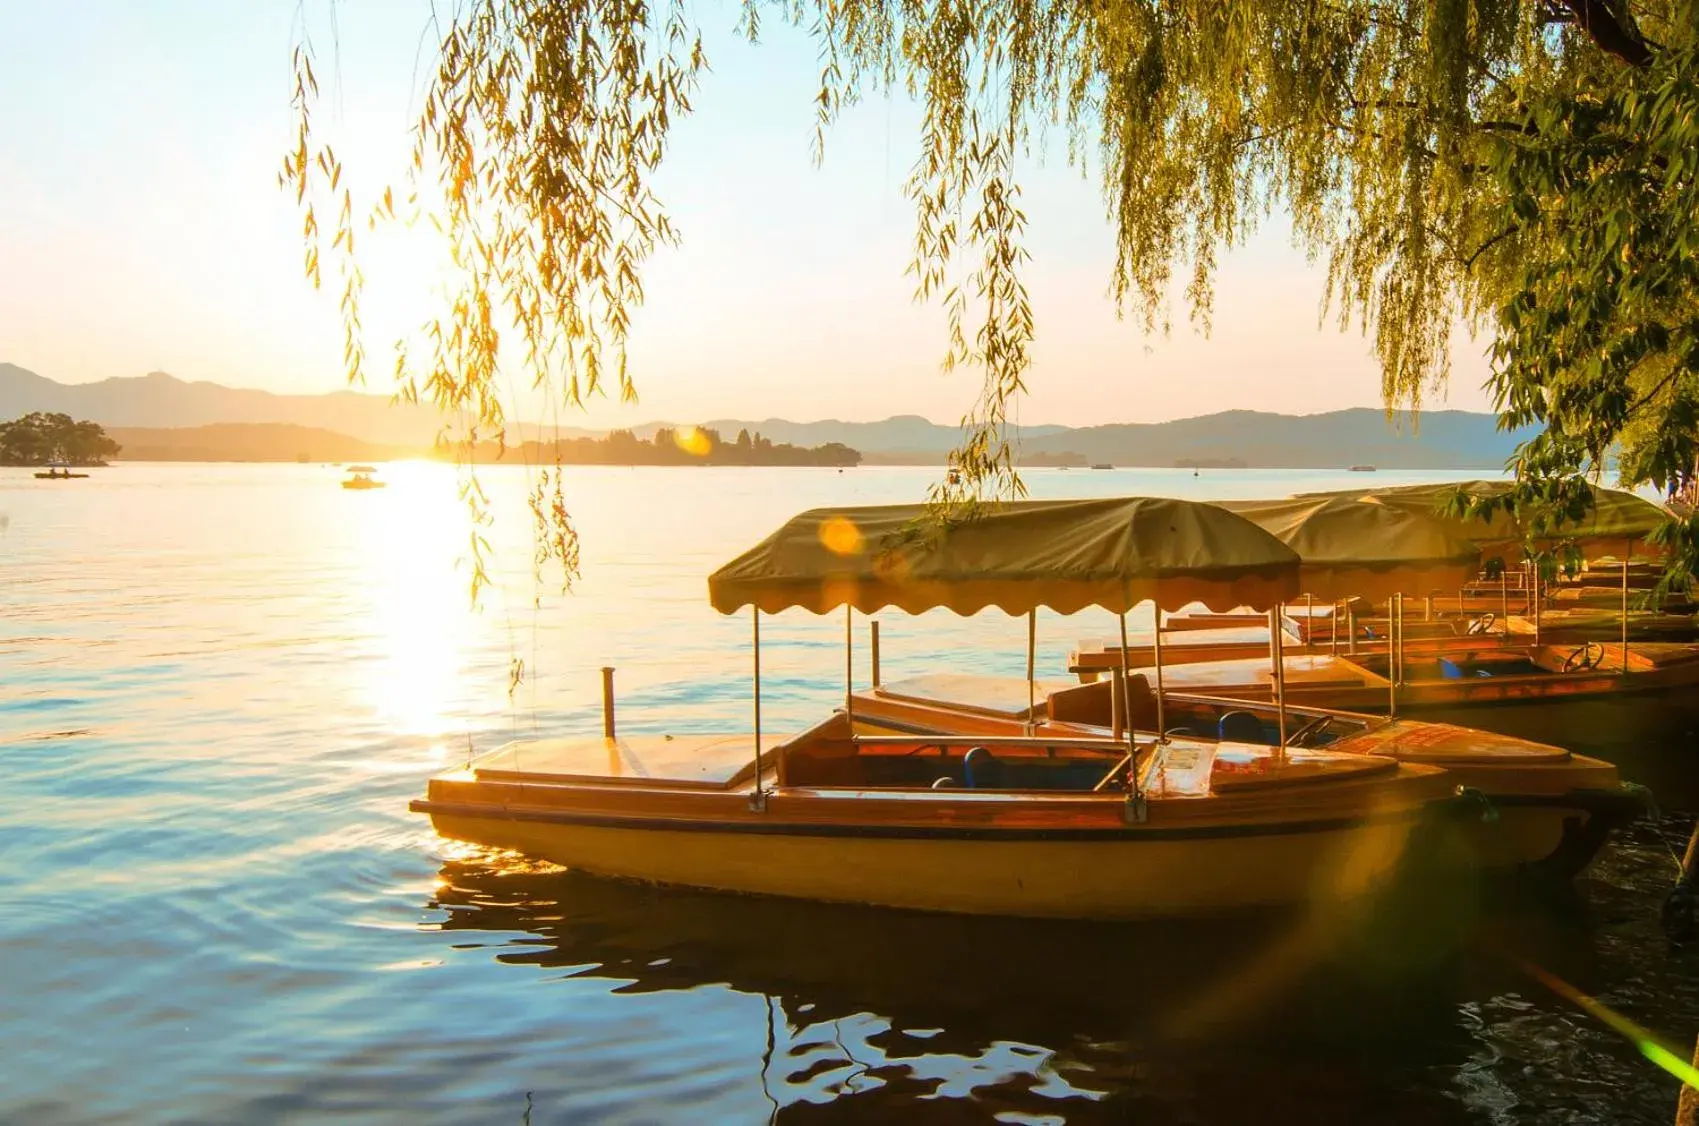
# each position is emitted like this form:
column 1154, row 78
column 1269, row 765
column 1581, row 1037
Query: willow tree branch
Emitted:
column 1615, row 37
column 1469, row 262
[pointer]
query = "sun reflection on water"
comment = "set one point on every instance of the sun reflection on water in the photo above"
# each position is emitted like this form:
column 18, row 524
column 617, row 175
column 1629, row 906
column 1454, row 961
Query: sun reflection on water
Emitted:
column 419, row 619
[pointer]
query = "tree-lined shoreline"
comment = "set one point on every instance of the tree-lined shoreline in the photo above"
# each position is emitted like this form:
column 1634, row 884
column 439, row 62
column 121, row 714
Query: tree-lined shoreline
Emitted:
column 43, row 438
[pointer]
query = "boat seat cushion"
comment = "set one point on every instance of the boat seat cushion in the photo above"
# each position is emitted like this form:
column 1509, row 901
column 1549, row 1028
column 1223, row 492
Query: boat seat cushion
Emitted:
column 1451, row 670
column 1241, row 727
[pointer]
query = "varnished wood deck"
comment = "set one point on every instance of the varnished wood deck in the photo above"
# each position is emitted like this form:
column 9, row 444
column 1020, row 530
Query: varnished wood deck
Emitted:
column 1002, row 696
column 712, row 761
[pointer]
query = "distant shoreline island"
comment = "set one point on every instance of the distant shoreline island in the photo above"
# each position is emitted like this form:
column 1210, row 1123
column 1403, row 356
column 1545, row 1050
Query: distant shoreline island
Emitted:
column 262, row 443
column 688, row 445
column 158, row 417
column 271, row 443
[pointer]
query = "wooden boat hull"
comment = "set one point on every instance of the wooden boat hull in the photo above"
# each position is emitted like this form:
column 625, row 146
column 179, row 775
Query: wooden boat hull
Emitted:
column 1112, row 875
column 1547, row 812
column 1221, row 830
column 1657, row 699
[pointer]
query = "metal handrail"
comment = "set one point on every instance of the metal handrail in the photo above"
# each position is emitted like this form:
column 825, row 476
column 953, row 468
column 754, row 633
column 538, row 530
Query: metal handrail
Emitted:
column 1264, row 705
column 929, row 740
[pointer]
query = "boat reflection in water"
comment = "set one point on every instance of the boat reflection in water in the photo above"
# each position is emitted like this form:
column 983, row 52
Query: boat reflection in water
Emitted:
column 1314, row 1017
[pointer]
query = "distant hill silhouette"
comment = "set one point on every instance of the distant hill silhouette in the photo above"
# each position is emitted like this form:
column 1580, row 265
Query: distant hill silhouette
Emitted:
column 1358, row 436
column 249, row 441
column 161, row 400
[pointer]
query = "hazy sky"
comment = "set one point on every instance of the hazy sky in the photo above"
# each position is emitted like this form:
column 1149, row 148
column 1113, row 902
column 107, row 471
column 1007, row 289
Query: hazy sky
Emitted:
column 143, row 230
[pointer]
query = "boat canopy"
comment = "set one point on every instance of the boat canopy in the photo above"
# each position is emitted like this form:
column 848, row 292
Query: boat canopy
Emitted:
column 361, row 469
column 1352, row 548
column 1066, row 555
column 1617, row 519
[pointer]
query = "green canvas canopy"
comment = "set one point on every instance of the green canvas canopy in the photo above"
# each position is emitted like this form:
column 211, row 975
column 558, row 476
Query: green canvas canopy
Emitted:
column 1066, row 555
column 1355, row 548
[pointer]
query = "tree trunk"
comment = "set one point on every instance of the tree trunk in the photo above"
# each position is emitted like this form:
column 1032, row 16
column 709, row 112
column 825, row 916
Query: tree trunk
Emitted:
column 1612, row 34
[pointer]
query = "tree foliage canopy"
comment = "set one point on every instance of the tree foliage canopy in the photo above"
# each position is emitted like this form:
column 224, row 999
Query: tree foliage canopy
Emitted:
column 1526, row 166
column 40, row 438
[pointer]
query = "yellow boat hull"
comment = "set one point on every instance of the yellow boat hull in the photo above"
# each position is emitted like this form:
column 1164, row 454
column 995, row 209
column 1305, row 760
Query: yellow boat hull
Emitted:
column 1129, row 876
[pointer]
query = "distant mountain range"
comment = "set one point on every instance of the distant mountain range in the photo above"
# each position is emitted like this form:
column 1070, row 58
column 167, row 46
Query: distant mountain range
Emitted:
column 208, row 421
column 159, row 400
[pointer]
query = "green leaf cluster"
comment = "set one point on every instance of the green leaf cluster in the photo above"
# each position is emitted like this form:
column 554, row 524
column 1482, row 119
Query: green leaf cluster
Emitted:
column 1597, row 330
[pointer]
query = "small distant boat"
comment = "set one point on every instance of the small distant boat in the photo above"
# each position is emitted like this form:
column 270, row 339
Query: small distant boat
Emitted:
column 58, row 473
column 1102, row 465
column 360, row 477
column 955, row 476
column 1362, row 469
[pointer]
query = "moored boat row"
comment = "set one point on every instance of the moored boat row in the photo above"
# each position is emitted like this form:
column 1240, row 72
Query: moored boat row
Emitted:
column 1152, row 792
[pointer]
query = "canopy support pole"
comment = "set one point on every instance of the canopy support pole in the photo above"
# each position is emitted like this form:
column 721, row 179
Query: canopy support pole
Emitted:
column 1309, row 623
column 1115, row 685
column 1504, row 594
column 1537, row 606
column 1627, row 554
column 1333, row 628
column 1161, row 713
column 1278, row 650
column 1351, row 626
column 873, row 627
column 1136, row 811
column 1392, row 609
column 1118, row 689
column 1031, row 680
column 1397, row 643
column 758, row 799
column 849, row 666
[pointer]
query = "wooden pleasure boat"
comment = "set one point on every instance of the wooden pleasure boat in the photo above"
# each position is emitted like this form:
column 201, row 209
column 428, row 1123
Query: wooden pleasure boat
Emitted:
column 1565, row 691
column 1553, row 809
column 1069, row 822
column 1558, row 807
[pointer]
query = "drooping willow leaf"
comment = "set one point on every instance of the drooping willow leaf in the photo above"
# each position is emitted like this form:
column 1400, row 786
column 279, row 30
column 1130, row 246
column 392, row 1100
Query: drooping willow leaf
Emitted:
column 1524, row 167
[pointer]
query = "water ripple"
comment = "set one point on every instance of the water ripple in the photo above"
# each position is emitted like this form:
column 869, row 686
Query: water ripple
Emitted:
column 221, row 685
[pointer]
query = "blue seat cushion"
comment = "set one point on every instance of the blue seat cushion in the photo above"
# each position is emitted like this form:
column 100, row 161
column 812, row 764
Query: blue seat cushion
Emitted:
column 1241, row 727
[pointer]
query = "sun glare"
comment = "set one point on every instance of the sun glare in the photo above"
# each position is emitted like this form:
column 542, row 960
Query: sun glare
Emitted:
column 693, row 441
column 418, row 601
column 840, row 536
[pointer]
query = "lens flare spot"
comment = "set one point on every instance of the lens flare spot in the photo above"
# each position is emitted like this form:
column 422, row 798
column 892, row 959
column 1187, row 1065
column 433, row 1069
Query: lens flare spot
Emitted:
column 840, row 536
column 693, row 441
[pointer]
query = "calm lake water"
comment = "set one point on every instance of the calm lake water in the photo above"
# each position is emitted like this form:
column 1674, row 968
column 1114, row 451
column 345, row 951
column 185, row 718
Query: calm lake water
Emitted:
column 221, row 685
